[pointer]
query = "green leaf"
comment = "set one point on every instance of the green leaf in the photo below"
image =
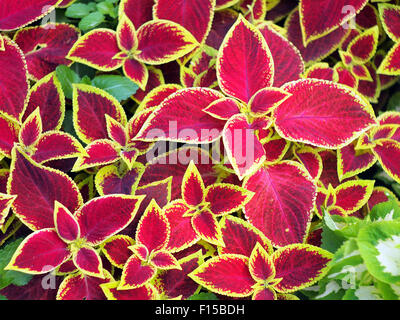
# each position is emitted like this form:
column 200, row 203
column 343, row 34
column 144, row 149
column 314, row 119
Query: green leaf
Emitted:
column 105, row 7
column 203, row 296
column 331, row 240
column 78, row 11
column 68, row 124
column 91, row 21
column 388, row 211
column 379, row 245
column 118, row 86
column 86, row 80
column 346, row 258
column 394, row 102
column 92, row 6
column 8, row 277
column 67, row 77
column 329, row 290
column 388, row 291
column 2, row 297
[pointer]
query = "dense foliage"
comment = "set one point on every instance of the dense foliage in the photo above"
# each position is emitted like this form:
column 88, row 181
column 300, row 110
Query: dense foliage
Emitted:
column 199, row 149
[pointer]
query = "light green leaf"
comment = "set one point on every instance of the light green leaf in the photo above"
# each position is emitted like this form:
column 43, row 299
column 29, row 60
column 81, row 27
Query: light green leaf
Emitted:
column 91, row 21
column 118, row 86
column 385, row 211
column 77, row 11
column 379, row 245
column 203, row 296
column 8, row 277
column 67, row 77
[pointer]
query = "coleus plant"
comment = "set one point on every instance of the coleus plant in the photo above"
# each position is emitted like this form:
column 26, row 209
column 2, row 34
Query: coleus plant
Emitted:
column 280, row 111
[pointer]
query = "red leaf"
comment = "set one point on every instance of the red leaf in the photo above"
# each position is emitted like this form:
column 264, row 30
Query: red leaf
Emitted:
column 391, row 64
column 379, row 195
column 31, row 130
column 317, row 49
column 244, row 63
column 253, row 10
column 105, row 216
column 222, row 22
column 13, row 79
column 206, row 226
column 261, row 265
column 38, row 188
column 180, row 117
column 363, row 47
column 153, row 230
column 48, row 95
column 352, row 162
column 332, row 15
column 175, row 283
column 136, row 274
column 162, row 41
column 97, row 49
column 79, row 286
column 240, row 237
column 265, row 100
column 154, row 97
column 126, row 34
column 193, row 190
column 352, row 195
column 110, row 181
column 368, row 17
column 194, row 16
column 264, row 293
column 386, row 151
column 370, row 89
column 346, row 77
column 329, row 173
column 137, row 72
column 8, row 135
column 288, row 62
column 226, row 198
column 299, row 266
column 89, row 262
column 90, row 105
column 245, row 152
column 39, row 253
column 174, row 164
column 46, row 46
column 34, row 290
column 223, row 108
column 281, row 208
column 222, row 4
column 311, row 160
column 310, row 116
column 226, row 274
column 146, row 292
column 156, row 79
column 5, row 205
column 160, row 191
column 389, row 117
column 182, row 233
column 390, row 18
column 116, row 249
column 116, row 131
column 66, row 226
column 321, row 71
column 14, row 15
column 164, row 260
column 98, row 152
column 138, row 11
column 55, row 145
